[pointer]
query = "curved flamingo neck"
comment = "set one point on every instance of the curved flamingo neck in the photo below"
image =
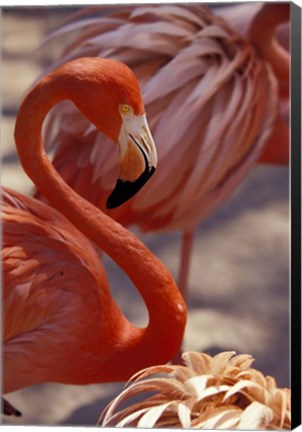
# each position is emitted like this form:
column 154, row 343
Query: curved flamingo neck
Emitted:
column 161, row 339
column 263, row 35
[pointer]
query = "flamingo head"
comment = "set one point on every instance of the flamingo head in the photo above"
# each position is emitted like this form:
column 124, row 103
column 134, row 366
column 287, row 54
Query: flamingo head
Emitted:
column 107, row 92
column 137, row 155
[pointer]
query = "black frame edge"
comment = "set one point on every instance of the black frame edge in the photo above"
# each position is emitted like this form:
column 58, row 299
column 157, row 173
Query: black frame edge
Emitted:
column 295, row 213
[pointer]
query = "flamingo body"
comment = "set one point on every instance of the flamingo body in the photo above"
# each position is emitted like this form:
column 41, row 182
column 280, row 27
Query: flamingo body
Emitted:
column 212, row 104
column 57, row 303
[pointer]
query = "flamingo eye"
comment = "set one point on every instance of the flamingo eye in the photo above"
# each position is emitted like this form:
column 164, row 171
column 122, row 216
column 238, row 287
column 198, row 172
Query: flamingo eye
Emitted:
column 126, row 109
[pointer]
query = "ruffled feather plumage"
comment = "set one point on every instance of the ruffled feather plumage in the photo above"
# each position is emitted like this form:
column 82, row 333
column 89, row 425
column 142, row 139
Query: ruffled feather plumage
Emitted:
column 210, row 100
column 219, row 392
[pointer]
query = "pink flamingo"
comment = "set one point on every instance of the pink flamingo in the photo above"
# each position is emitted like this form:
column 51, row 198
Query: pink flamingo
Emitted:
column 211, row 99
column 61, row 323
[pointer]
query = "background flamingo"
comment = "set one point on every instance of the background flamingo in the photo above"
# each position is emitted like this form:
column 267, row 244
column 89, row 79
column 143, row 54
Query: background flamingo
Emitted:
column 60, row 322
column 240, row 254
column 204, row 89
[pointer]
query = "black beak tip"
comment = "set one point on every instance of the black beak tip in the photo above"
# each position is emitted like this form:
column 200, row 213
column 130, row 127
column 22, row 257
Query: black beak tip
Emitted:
column 125, row 190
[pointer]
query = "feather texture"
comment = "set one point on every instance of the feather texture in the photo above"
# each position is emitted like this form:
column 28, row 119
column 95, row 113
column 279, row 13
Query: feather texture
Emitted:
column 210, row 100
column 44, row 268
column 219, row 392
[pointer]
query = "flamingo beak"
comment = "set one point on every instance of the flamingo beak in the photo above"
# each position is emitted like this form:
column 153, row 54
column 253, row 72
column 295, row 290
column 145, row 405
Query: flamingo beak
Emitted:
column 137, row 159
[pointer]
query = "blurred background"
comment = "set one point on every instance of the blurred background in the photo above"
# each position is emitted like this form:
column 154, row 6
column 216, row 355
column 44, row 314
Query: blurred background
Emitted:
column 239, row 279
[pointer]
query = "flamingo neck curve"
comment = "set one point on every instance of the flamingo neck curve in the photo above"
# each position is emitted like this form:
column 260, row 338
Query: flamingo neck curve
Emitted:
column 161, row 339
column 263, row 35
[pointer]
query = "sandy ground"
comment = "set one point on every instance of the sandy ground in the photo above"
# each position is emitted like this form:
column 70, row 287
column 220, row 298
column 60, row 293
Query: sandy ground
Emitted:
column 239, row 280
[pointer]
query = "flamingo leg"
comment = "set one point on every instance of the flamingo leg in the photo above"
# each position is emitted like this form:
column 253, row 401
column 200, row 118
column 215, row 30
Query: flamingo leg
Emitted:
column 9, row 410
column 183, row 276
column 185, row 257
